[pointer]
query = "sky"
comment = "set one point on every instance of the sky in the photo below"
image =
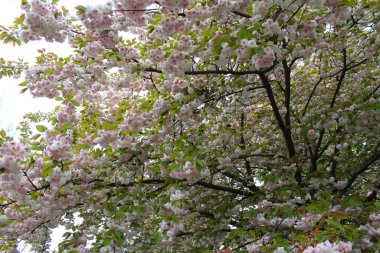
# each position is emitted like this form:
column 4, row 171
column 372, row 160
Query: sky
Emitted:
column 13, row 105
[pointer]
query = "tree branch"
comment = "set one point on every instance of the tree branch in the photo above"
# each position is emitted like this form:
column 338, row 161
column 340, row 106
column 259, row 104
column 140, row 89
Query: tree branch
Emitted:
column 218, row 72
column 341, row 78
column 310, row 96
column 224, row 189
column 364, row 168
column 242, row 142
column 161, row 181
column 241, row 14
column 287, row 93
column 333, row 101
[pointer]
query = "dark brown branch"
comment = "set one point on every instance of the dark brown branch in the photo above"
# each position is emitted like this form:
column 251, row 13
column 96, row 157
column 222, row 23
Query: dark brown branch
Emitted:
column 7, row 204
column 294, row 61
column 180, row 234
column 76, row 32
column 138, row 10
column 285, row 131
column 218, row 72
column 363, row 169
column 161, row 181
column 242, row 142
column 147, row 181
column 223, row 188
column 38, row 226
column 40, row 188
column 244, row 15
column 334, row 163
column 287, row 93
column 30, row 181
column 333, row 101
column 232, row 93
column 341, row 78
column 356, row 64
column 293, row 15
column 372, row 93
column 372, row 196
column 236, row 178
column 258, row 155
column 311, row 96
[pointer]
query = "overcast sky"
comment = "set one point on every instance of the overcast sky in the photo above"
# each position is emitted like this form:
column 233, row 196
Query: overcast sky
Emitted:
column 13, row 105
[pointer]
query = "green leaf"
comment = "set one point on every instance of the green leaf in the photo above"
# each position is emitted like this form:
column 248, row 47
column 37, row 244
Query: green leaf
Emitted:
column 176, row 219
column 157, row 238
column 118, row 237
column 336, row 215
column 199, row 165
column 41, row 128
column 64, row 10
column 35, row 137
column 80, row 9
column 47, row 170
column 37, row 147
column 174, row 166
column 19, row 20
column 334, row 223
column 349, row 3
column 238, row 233
column 3, row 134
column 23, row 84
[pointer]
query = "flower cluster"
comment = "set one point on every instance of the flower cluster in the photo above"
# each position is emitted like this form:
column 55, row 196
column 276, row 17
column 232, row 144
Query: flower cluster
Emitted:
column 308, row 29
column 67, row 115
column 189, row 172
column 339, row 247
column 94, row 49
column 272, row 27
column 13, row 153
column 265, row 60
column 58, row 147
column 44, row 21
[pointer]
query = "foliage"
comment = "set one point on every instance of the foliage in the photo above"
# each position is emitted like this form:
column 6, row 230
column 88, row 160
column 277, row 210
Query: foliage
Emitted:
column 11, row 68
column 244, row 126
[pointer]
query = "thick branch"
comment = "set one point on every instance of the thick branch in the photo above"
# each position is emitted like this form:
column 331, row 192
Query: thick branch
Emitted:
column 285, row 131
column 341, row 78
column 217, row 72
column 147, row 181
column 259, row 155
column 161, row 181
column 287, row 92
column 241, row 14
column 224, row 189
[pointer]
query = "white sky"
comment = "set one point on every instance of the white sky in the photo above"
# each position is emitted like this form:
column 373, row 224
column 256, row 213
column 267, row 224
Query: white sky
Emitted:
column 13, row 105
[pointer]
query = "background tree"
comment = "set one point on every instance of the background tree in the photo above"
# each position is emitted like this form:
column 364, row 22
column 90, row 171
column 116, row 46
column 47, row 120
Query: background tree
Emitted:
column 243, row 125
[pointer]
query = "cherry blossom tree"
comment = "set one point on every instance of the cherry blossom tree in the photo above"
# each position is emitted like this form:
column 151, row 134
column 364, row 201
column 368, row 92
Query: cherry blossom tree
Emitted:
column 222, row 126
